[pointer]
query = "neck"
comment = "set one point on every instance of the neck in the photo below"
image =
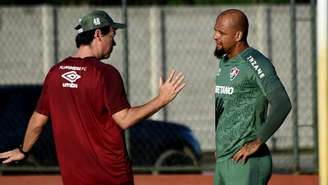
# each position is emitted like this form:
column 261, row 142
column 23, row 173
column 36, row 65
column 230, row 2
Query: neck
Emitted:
column 84, row 51
column 239, row 47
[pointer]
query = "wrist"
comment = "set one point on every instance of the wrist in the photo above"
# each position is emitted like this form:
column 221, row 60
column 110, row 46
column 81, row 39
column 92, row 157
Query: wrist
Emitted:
column 20, row 148
column 162, row 101
column 258, row 141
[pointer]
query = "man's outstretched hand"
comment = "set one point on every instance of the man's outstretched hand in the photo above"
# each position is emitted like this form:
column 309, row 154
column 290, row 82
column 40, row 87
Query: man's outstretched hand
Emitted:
column 171, row 87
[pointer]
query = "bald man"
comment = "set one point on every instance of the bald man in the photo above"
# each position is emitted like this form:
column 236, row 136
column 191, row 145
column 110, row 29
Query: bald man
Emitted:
column 246, row 82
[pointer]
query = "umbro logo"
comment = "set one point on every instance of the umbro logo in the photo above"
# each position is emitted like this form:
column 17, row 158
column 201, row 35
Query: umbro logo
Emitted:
column 71, row 76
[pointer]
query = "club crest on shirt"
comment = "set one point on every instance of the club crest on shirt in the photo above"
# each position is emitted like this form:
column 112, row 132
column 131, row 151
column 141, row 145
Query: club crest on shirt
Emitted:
column 234, row 72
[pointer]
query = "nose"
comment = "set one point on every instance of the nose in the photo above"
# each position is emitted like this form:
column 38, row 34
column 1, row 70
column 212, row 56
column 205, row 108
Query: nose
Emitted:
column 216, row 35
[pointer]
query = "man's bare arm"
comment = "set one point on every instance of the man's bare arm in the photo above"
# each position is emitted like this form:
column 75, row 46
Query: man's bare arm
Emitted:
column 34, row 129
column 168, row 91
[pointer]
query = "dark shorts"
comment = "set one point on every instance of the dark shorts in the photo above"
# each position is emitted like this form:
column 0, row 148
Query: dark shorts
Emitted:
column 256, row 171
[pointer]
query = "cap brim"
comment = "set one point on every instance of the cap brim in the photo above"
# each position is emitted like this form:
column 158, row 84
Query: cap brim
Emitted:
column 118, row 25
column 77, row 27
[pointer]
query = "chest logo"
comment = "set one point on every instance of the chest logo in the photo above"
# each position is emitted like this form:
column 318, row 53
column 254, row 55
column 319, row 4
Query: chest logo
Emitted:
column 234, row 72
column 70, row 76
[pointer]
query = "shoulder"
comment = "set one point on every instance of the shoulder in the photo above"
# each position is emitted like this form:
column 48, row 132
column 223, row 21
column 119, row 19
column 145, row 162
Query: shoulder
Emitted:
column 107, row 68
column 59, row 64
column 54, row 68
column 108, row 72
column 258, row 63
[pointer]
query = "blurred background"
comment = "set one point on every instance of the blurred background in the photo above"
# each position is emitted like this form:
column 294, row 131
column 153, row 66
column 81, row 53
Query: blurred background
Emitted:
column 161, row 35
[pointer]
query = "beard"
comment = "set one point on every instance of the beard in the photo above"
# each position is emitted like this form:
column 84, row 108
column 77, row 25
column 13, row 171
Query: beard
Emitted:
column 219, row 52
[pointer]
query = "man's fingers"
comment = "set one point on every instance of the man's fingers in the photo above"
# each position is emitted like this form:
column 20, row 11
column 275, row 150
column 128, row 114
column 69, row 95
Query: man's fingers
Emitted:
column 247, row 150
column 11, row 156
column 241, row 154
column 179, row 88
column 240, row 157
column 179, row 78
column 171, row 75
column 236, row 157
column 7, row 161
column 244, row 158
column 5, row 154
column 160, row 81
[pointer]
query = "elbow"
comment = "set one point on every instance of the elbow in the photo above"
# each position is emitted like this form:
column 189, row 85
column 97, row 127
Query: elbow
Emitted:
column 125, row 118
column 124, row 124
column 121, row 118
column 288, row 106
column 127, row 123
column 38, row 126
column 285, row 102
column 121, row 123
column 285, row 106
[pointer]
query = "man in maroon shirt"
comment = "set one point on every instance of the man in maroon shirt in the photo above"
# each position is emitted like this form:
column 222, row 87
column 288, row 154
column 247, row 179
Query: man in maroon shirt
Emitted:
column 86, row 101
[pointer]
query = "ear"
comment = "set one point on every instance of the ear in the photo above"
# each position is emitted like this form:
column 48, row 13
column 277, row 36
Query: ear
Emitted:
column 239, row 36
column 97, row 34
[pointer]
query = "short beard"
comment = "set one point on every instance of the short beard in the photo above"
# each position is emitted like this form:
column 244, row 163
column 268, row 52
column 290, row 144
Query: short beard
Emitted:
column 218, row 53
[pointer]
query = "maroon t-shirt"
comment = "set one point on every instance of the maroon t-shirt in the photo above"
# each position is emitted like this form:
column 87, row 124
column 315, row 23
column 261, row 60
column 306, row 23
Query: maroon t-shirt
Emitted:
column 80, row 96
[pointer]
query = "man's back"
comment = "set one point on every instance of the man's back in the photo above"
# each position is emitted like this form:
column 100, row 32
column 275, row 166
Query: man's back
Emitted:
column 80, row 95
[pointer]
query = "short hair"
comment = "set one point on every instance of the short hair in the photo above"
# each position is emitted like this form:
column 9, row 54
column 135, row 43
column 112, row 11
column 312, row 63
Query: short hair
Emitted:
column 242, row 21
column 85, row 38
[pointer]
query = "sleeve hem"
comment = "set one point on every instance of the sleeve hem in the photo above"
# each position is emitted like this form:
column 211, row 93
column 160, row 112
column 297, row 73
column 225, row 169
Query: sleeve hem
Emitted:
column 45, row 113
column 119, row 108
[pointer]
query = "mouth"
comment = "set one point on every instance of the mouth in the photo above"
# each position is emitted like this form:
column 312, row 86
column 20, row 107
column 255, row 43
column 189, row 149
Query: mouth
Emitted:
column 218, row 45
